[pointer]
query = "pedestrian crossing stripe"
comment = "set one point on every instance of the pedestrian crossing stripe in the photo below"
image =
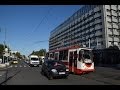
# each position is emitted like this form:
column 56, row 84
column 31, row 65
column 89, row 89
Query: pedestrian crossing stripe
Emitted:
column 18, row 66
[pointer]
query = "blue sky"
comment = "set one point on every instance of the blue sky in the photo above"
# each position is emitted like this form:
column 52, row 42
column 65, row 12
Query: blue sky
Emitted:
column 27, row 24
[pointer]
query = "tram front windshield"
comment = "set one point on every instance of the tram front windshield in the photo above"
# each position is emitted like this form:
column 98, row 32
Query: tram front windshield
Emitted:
column 87, row 54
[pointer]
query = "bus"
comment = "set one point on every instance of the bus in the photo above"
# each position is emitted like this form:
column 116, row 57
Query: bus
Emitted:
column 79, row 60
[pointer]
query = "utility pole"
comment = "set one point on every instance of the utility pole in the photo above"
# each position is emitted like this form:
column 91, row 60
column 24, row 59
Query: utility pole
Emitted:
column 89, row 43
column 4, row 47
column 97, row 42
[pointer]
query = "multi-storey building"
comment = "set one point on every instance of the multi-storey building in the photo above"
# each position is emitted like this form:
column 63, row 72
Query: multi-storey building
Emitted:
column 96, row 26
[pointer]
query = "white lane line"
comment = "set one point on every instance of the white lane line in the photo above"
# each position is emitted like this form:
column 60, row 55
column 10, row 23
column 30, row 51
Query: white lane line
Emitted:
column 0, row 75
column 20, row 66
column 24, row 66
column 15, row 65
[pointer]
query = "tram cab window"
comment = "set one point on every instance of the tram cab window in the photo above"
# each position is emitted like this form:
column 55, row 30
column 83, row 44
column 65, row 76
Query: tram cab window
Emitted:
column 87, row 54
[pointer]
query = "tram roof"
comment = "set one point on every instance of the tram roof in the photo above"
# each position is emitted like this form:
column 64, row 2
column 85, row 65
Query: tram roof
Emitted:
column 69, row 47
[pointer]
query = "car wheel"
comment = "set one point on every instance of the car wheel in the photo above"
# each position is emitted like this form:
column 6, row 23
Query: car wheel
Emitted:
column 42, row 72
column 66, row 77
column 50, row 77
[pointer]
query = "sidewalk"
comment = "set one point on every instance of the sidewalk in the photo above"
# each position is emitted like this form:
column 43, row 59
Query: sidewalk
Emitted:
column 2, row 75
column 4, row 65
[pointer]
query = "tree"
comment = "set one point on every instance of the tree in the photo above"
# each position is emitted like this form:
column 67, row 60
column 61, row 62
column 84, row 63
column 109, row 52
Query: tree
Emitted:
column 18, row 55
column 113, row 47
column 41, row 52
column 1, row 48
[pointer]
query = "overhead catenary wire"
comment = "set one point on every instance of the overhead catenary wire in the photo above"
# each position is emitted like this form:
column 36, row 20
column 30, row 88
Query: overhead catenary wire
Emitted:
column 36, row 28
column 30, row 33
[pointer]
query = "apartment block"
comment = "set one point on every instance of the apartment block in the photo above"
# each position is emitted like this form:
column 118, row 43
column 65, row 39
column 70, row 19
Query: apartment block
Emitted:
column 96, row 26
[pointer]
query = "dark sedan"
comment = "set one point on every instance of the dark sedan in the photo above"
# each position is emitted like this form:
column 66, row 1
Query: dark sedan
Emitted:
column 54, row 68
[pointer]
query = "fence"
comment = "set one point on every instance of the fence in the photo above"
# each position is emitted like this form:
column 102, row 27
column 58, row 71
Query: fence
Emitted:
column 106, row 57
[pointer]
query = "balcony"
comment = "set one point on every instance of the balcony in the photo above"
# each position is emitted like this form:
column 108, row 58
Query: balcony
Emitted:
column 115, row 26
column 113, row 7
column 97, row 27
column 116, row 39
column 109, row 39
column 98, row 33
column 91, row 29
column 98, row 21
column 116, row 32
column 96, row 15
column 109, row 26
column 96, row 9
column 91, row 35
column 107, row 6
column 108, row 19
column 114, row 20
column 119, row 7
column 109, row 32
column 108, row 13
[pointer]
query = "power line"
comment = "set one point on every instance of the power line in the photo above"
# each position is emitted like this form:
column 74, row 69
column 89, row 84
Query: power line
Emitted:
column 29, row 34
column 42, row 19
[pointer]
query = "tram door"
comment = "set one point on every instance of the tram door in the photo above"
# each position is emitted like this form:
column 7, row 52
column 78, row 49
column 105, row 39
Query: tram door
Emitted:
column 70, row 61
column 73, row 61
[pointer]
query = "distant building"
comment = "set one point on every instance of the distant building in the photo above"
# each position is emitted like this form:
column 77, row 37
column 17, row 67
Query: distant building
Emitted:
column 98, row 25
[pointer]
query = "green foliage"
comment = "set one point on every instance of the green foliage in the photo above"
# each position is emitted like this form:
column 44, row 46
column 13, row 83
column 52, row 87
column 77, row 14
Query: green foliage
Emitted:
column 41, row 52
column 18, row 55
column 113, row 47
column 1, row 48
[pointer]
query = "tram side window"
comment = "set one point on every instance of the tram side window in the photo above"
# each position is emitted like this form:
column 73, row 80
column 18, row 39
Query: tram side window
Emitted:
column 75, row 55
column 61, row 55
column 80, row 56
column 56, row 56
column 65, row 55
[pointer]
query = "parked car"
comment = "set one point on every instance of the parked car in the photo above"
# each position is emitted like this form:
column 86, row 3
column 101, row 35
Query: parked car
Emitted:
column 54, row 68
column 27, row 61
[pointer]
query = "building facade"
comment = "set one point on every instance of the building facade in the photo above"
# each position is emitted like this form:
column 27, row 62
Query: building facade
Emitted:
column 96, row 26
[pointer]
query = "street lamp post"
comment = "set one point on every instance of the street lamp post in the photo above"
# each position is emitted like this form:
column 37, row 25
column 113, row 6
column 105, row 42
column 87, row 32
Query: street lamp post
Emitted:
column 4, row 48
column 89, row 43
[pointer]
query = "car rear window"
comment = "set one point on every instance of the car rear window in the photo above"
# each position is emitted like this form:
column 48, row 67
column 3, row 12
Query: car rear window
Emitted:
column 55, row 63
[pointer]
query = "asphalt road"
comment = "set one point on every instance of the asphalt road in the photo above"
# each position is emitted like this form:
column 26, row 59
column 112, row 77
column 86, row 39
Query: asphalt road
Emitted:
column 23, row 74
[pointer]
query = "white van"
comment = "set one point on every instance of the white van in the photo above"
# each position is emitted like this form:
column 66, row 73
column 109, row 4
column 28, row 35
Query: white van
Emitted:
column 34, row 60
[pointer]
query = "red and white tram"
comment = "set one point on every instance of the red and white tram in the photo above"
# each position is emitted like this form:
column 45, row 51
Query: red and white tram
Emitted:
column 78, row 59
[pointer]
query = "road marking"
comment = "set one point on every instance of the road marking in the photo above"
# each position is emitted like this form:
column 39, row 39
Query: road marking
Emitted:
column 0, row 75
column 18, row 66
